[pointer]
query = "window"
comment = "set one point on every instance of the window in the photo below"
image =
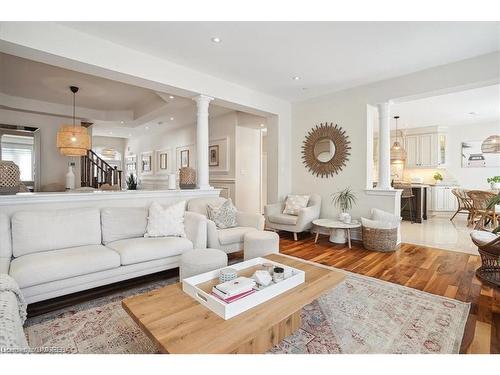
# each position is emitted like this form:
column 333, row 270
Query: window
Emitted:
column 19, row 149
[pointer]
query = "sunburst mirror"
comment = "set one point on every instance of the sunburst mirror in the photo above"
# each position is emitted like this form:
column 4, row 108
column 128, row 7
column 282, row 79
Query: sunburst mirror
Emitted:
column 326, row 150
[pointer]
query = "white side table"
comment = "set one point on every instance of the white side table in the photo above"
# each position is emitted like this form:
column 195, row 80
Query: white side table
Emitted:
column 339, row 231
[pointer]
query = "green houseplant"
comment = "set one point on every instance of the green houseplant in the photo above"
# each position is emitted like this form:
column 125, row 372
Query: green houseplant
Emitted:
column 438, row 177
column 345, row 200
column 494, row 182
column 131, row 182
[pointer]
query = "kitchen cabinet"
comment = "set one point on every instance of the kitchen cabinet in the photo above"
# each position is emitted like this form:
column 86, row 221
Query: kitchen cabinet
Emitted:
column 425, row 150
column 442, row 199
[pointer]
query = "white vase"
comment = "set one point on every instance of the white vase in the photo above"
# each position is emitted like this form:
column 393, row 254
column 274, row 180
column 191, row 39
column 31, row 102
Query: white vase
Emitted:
column 70, row 178
column 345, row 217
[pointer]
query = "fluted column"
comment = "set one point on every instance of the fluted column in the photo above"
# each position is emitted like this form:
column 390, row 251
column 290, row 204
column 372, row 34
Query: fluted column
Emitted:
column 202, row 102
column 384, row 146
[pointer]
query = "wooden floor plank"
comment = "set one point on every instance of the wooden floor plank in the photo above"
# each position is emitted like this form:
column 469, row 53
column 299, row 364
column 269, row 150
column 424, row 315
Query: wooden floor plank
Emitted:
column 446, row 273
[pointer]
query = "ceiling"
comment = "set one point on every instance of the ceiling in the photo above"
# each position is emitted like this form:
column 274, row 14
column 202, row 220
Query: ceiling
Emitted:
column 127, row 110
column 326, row 56
column 480, row 105
column 33, row 80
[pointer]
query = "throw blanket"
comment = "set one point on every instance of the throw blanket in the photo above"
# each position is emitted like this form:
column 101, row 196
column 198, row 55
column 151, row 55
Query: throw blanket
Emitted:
column 8, row 284
column 12, row 316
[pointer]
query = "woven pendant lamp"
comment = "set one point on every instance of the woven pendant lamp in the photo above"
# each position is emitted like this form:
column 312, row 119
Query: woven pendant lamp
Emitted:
column 398, row 153
column 491, row 145
column 73, row 140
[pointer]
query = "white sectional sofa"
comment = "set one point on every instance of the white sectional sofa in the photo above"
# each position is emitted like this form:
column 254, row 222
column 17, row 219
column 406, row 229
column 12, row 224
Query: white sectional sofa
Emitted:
column 58, row 252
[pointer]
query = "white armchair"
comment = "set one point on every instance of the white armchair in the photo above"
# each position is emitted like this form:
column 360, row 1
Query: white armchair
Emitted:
column 277, row 220
column 229, row 240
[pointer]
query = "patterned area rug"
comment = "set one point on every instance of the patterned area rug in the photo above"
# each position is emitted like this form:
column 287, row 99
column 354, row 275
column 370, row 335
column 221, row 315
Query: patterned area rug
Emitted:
column 360, row 315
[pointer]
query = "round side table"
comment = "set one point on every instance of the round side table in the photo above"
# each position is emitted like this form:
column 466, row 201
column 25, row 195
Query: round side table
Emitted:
column 339, row 231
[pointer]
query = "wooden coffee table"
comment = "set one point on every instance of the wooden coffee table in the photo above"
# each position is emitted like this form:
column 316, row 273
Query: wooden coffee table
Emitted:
column 179, row 324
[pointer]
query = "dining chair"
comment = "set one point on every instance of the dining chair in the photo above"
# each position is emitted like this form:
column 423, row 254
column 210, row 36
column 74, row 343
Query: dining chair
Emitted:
column 464, row 204
column 480, row 210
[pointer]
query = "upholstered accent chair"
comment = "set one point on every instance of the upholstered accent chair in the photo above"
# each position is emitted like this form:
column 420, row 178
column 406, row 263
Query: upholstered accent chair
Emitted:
column 229, row 240
column 277, row 220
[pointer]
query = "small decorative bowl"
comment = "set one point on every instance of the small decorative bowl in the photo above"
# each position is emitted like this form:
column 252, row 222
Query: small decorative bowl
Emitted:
column 227, row 274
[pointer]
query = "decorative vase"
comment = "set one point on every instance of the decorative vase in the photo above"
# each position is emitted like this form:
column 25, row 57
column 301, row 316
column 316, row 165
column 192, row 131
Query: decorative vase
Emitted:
column 70, row 177
column 345, row 217
column 187, row 178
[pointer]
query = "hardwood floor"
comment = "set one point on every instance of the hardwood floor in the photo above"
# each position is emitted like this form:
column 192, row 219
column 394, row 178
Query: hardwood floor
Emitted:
column 436, row 271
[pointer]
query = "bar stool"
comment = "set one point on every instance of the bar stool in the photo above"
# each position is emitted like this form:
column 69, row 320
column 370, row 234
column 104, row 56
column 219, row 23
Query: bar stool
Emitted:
column 407, row 197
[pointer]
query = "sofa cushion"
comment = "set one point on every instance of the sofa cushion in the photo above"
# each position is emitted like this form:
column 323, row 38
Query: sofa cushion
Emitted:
column 136, row 250
column 121, row 223
column 294, row 203
column 224, row 215
column 233, row 235
column 166, row 221
column 283, row 219
column 483, row 237
column 43, row 267
column 199, row 205
column 37, row 231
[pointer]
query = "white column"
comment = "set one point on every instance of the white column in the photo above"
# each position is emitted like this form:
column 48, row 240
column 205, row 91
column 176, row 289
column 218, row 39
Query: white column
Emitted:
column 202, row 103
column 384, row 147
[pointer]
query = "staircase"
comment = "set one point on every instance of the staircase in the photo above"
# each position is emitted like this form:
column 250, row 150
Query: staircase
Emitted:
column 95, row 172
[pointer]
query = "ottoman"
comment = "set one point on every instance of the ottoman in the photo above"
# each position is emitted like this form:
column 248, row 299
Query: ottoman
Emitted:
column 259, row 243
column 194, row 262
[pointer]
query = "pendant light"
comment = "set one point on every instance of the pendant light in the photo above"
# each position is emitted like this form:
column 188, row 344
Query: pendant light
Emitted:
column 73, row 140
column 491, row 145
column 398, row 153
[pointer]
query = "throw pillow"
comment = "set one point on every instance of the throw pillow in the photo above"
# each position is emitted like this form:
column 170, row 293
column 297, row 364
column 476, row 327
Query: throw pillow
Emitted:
column 377, row 224
column 166, row 221
column 223, row 215
column 380, row 215
column 294, row 203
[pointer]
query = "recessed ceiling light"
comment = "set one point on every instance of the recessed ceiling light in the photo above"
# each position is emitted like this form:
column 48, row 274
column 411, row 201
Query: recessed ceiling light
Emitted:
column 170, row 96
column 216, row 39
column 121, row 122
column 147, row 127
column 171, row 119
column 296, row 78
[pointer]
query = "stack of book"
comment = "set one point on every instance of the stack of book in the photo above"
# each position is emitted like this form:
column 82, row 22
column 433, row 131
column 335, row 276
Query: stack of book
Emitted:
column 233, row 290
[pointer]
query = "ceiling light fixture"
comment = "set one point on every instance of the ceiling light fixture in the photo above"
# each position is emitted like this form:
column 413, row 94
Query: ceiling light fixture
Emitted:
column 398, row 153
column 296, row 78
column 216, row 39
column 121, row 122
column 147, row 127
column 73, row 140
column 170, row 96
column 171, row 119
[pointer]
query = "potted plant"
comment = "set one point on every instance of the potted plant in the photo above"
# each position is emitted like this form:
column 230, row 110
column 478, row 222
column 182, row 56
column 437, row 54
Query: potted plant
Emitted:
column 438, row 178
column 131, row 182
column 344, row 200
column 494, row 182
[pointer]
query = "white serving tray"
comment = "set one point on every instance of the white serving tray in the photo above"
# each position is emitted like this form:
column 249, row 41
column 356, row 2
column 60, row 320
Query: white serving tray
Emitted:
column 229, row 310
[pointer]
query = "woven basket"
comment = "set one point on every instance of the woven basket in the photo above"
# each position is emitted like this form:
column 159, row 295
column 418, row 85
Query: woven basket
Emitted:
column 384, row 240
column 9, row 177
column 187, row 178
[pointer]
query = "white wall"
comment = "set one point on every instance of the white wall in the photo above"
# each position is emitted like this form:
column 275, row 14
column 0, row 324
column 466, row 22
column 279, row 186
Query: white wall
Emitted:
column 53, row 165
column 115, row 143
column 248, row 169
column 348, row 109
column 467, row 178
